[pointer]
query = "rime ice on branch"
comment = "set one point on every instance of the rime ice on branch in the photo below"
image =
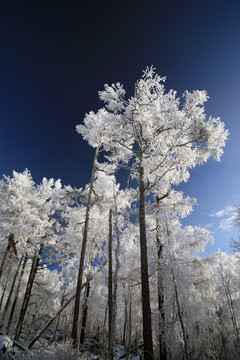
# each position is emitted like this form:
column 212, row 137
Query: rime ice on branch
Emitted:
column 158, row 138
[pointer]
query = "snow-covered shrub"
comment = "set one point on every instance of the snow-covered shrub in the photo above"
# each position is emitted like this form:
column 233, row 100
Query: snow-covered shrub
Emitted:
column 64, row 351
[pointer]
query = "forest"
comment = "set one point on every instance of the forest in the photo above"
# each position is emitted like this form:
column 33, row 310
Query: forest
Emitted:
column 108, row 271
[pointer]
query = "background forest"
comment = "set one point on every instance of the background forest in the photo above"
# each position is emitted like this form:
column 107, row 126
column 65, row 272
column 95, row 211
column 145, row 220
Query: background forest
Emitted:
column 129, row 255
column 112, row 263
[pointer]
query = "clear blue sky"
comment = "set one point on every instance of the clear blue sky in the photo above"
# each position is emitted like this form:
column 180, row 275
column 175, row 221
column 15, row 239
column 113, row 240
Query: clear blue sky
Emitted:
column 56, row 55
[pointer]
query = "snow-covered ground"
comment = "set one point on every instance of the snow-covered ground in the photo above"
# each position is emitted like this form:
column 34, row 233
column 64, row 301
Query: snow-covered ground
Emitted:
column 60, row 351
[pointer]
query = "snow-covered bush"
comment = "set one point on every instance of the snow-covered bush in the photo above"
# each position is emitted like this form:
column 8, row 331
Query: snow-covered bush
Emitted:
column 64, row 351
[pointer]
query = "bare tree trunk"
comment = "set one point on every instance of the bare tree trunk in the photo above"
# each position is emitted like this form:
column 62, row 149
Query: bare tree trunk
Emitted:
column 161, row 326
column 231, row 310
column 17, row 293
column 110, row 289
column 31, row 326
column 146, row 307
column 186, row 355
column 11, row 291
column 161, row 321
column 85, row 312
column 130, row 321
column 35, row 338
column 28, row 291
column 58, row 320
column 10, row 245
column 115, row 279
column 105, row 319
column 125, row 322
column 75, row 326
column 3, row 293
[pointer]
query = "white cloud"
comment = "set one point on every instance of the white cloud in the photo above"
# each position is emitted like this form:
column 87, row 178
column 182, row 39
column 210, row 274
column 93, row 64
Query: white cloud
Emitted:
column 227, row 224
column 228, row 210
column 227, row 214
column 208, row 226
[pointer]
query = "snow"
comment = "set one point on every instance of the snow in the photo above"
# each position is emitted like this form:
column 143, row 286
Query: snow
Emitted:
column 5, row 342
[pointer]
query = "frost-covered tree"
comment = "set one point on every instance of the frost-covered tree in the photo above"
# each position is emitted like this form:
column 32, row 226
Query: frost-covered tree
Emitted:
column 159, row 138
column 32, row 214
column 235, row 243
column 161, row 217
column 75, row 326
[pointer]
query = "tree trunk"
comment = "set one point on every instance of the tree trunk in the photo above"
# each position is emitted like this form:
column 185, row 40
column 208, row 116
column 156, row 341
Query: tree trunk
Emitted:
column 74, row 334
column 130, row 321
column 7, row 252
column 161, row 327
column 115, row 279
column 16, row 295
column 11, row 291
column 28, row 291
column 35, row 338
column 146, row 307
column 125, row 323
column 104, row 321
column 161, row 321
column 186, row 356
column 32, row 324
column 58, row 320
column 110, row 289
column 85, row 313
column 3, row 293
column 231, row 310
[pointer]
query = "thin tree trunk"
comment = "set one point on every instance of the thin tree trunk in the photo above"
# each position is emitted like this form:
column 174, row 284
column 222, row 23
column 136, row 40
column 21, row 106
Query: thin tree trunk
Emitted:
column 85, row 312
column 231, row 309
column 7, row 253
column 58, row 320
column 115, row 279
column 161, row 321
column 186, row 356
column 110, row 289
column 146, row 307
column 161, row 326
column 105, row 318
column 130, row 321
column 11, row 290
column 85, row 302
column 28, row 291
column 3, row 293
column 17, row 293
column 45, row 327
column 31, row 326
column 35, row 338
column 125, row 323
column 74, row 334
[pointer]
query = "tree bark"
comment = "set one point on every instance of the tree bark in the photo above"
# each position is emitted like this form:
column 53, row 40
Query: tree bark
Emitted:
column 7, row 253
column 125, row 321
column 186, row 356
column 161, row 329
column 3, row 293
column 146, row 307
column 130, row 321
column 161, row 321
column 17, row 293
column 28, row 291
column 231, row 309
column 115, row 278
column 75, row 326
column 11, row 291
column 58, row 320
column 110, row 289
column 85, row 312
column 35, row 338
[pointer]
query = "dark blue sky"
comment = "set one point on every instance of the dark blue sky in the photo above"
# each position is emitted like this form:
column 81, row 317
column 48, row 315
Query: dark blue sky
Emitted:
column 56, row 55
